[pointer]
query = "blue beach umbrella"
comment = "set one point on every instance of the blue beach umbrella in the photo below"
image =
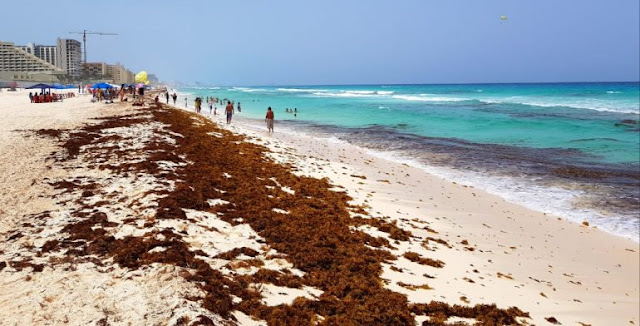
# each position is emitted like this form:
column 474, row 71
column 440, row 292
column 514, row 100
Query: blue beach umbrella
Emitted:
column 40, row 86
column 102, row 85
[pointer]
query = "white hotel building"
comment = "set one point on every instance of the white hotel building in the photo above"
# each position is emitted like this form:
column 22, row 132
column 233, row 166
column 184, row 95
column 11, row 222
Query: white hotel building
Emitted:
column 47, row 53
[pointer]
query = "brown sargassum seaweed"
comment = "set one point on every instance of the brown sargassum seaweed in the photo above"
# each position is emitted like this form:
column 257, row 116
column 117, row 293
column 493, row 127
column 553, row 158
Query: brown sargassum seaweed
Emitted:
column 316, row 235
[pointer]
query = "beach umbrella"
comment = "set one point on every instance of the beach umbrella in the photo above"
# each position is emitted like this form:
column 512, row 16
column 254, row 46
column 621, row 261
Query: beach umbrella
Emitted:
column 40, row 86
column 102, row 85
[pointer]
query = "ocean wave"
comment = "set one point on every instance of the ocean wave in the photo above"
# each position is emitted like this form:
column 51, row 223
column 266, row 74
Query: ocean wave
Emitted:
column 428, row 98
column 360, row 92
column 248, row 89
column 328, row 94
column 348, row 93
column 300, row 90
column 614, row 92
column 573, row 105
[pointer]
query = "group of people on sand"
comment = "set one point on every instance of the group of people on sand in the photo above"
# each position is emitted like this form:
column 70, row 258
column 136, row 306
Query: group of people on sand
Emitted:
column 106, row 95
column 168, row 96
column 229, row 108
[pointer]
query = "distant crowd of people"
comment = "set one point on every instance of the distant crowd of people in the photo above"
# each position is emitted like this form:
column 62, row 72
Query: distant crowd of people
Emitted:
column 230, row 107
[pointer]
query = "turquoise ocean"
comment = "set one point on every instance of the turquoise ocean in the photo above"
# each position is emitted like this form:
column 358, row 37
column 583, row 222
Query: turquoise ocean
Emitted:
column 571, row 149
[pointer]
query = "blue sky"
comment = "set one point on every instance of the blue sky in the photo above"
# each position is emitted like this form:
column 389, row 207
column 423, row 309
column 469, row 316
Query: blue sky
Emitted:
column 275, row 42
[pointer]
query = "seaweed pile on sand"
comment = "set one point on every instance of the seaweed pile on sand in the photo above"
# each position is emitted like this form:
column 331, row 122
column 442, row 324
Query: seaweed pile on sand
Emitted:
column 164, row 186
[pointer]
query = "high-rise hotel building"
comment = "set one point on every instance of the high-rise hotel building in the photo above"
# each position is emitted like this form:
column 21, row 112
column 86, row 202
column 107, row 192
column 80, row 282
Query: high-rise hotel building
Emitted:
column 66, row 55
column 69, row 53
column 18, row 64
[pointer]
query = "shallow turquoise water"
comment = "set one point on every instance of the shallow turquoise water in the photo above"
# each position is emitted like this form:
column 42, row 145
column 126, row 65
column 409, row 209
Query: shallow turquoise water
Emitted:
column 584, row 116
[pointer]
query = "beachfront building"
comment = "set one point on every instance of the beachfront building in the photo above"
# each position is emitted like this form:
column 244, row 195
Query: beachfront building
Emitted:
column 120, row 74
column 47, row 53
column 69, row 54
column 19, row 65
column 153, row 79
column 116, row 74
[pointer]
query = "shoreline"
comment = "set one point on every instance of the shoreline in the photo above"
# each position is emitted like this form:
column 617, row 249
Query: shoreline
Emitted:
column 492, row 251
column 495, row 226
column 567, row 200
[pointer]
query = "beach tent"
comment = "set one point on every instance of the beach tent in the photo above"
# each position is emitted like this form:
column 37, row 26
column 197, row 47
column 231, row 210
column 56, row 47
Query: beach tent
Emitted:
column 102, row 85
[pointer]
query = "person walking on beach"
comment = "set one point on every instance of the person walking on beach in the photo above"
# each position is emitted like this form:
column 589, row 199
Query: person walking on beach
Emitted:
column 166, row 95
column 175, row 97
column 229, row 111
column 198, row 102
column 269, row 119
column 185, row 102
column 210, row 105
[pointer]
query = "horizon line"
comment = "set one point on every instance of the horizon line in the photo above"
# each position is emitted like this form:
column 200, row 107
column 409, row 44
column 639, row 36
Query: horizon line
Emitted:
column 410, row 84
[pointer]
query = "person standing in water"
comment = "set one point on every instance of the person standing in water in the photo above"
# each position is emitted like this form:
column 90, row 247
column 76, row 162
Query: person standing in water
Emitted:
column 269, row 119
column 229, row 111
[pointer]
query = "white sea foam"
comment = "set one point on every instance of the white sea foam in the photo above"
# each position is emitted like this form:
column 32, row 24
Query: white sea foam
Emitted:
column 525, row 192
column 301, row 90
column 428, row 98
column 584, row 104
column 614, row 92
column 248, row 89
column 361, row 92
column 341, row 94
column 345, row 93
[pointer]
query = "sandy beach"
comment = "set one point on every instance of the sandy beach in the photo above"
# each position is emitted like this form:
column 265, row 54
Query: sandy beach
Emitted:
column 113, row 214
